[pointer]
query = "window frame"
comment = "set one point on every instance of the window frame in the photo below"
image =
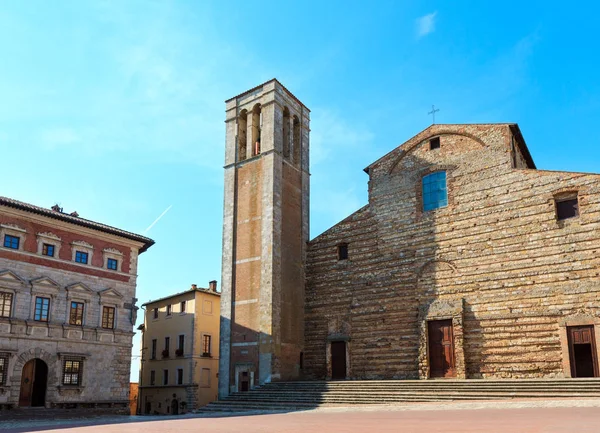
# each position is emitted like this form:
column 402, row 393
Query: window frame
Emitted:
column 153, row 347
column 565, row 199
column 46, row 247
column 165, row 376
column 112, row 264
column 78, row 315
column 72, row 372
column 78, row 257
column 3, row 368
column 206, row 338
column 169, row 310
column 107, row 308
column 343, row 251
column 3, row 296
column 435, row 143
column 41, row 318
column 8, row 241
column 429, row 190
column 155, row 313
column 180, row 376
column 152, row 377
column 182, row 306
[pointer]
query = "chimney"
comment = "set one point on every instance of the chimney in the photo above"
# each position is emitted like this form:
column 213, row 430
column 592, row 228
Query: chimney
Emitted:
column 194, row 287
column 212, row 286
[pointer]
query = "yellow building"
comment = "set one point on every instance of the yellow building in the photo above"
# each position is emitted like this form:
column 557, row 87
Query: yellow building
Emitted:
column 180, row 351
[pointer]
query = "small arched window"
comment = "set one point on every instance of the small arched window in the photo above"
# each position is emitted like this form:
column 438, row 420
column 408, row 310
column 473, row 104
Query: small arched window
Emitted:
column 286, row 133
column 435, row 191
column 241, row 135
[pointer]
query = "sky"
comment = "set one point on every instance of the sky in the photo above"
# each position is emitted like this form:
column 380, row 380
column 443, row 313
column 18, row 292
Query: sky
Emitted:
column 115, row 109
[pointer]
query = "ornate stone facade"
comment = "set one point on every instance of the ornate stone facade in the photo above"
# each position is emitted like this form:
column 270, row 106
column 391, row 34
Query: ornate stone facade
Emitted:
column 66, row 326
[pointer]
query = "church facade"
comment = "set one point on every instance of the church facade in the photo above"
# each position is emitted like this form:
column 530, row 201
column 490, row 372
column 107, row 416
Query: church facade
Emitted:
column 467, row 262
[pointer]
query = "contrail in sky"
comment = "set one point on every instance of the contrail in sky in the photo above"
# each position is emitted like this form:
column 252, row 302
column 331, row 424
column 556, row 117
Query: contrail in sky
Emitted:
column 158, row 219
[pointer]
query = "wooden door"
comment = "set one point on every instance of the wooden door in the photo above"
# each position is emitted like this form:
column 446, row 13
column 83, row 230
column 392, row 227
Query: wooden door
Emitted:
column 582, row 351
column 441, row 349
column 27, row 383
column 338, row 360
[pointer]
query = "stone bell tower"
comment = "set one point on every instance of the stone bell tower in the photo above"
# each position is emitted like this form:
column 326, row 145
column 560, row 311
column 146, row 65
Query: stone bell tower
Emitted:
column 265, row 230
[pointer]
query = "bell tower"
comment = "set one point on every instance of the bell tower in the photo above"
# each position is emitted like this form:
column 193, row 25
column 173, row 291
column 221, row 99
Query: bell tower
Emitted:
column 265, row 231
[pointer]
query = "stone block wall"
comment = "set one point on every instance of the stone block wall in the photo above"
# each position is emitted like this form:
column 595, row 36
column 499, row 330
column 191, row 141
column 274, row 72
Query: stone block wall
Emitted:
column 497, row 250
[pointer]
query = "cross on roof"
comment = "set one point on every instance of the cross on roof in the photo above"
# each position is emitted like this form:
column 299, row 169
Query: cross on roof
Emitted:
column 433, row 111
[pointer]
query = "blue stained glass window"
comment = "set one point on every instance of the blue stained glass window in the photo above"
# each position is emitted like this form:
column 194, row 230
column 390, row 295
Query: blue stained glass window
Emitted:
column 435, row 193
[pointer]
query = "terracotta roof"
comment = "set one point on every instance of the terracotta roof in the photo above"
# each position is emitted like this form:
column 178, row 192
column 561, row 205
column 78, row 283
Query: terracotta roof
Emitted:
column 198, row 289
column 9, row 202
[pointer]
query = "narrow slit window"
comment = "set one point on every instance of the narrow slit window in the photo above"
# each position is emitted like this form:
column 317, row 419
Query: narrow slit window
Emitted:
column 342, row 251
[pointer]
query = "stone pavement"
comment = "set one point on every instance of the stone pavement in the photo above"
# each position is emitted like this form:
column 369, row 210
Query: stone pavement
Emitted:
column 533, row 416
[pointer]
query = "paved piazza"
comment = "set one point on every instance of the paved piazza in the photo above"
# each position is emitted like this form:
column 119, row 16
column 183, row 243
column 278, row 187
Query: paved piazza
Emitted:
column 581, row 416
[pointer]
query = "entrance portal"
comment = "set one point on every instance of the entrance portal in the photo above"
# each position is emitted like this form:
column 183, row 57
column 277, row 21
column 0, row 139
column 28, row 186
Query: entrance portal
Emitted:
column 441, row 349
column 33, row 383
column 582, row 351
column 338, row 360
column 174, row 407
column 244, row 381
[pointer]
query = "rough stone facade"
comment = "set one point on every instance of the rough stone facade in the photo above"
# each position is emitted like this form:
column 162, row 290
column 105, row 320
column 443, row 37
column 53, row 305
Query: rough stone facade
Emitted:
column 265, row 231
column 103, row 348
column 496, row 261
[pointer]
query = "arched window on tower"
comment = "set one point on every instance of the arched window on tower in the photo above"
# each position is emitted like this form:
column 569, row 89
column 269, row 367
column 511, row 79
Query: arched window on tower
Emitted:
column 256, row 125
column 297, row 145
column 241, row 135
column 286, row 133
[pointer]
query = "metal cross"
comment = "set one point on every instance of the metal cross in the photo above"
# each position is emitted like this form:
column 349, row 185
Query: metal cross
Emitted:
column 433, row 111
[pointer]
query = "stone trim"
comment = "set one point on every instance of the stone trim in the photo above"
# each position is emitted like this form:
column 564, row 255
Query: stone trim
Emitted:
column 52, row 381
column 582, row 317
column 441, row 310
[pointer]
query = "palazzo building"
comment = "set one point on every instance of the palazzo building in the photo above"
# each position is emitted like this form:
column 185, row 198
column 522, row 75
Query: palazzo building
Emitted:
column 67, row 308
column 466, row 262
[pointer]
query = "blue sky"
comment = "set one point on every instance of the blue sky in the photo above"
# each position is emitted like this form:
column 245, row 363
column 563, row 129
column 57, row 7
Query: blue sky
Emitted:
column 115, row 109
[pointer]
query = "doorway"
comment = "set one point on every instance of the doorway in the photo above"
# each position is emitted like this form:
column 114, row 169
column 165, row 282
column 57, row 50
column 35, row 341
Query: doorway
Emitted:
column 34, row 379
column 441, row 349
column 244, row 381
column 582, row 351
column 338, row 360
column 174, row 407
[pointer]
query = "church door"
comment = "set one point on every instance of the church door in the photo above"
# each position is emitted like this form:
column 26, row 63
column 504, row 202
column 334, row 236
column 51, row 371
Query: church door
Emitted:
column 338, row 360
column 33, row 383
column 582, row 351
column 441, row 349
column 244, row 381
column 174, row 407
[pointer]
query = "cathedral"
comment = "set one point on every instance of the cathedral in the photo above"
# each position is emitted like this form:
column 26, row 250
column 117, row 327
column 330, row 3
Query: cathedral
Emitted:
column 467, row 262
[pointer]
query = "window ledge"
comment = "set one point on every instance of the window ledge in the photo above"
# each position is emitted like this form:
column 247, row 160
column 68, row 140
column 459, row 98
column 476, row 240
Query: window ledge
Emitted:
column 70, row 389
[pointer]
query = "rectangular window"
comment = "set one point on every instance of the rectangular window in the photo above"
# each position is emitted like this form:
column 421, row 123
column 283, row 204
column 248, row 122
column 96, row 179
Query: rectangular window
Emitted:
column 76, row 314
column 180, row 376
column 152, row 377
column 566, row 209
column 48, row 250
column 155, row 312
column 434, row 143
column 11, row 242
column 165, row 377
column 182, row 306
column 5, row 304
column 435, row 193
column 3, row 369
column 108, row 317
column 206, row 345
column 81, row 257
column 72, row 371
column 42, row 309
column 168, row 310
column 342, row 251
column 180, row 345
column 112, row 264
column 153, row 353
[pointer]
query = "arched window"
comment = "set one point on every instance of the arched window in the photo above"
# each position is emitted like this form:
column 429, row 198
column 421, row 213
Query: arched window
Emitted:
column 435, row 191
column 241, row 135
column 297, row 144
column 286, row 133
column 256, row 124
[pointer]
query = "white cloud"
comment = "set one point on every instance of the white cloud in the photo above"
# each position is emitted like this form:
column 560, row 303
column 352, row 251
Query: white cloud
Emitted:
column 426, row 24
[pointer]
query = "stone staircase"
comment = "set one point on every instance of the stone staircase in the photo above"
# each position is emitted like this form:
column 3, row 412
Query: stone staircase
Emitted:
column 286, row 396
